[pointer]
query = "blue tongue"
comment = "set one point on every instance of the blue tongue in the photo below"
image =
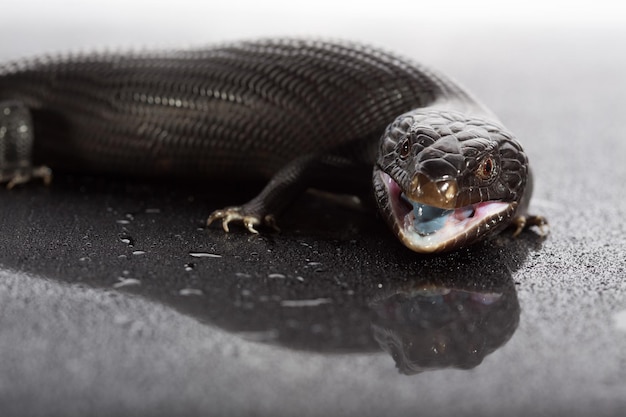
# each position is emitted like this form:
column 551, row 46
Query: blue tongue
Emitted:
column 428, row 219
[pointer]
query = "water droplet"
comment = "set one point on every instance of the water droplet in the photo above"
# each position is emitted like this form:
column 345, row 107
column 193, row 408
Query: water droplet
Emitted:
column 84, row 259
column 300, row 279
column 242, row 275
column 204, row 255
column 380, row 285
column 189, row 266
column 125, row 282
column 128, row 240
column 276, row 276
column 190, row 291
column 305, row 303
column 139, row 252
column 122, row 221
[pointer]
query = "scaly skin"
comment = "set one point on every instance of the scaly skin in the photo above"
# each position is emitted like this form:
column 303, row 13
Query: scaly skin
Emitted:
column 296, row 113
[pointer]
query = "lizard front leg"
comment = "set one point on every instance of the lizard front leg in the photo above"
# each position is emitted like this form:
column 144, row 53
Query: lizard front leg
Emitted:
column 331, row 173
column 286, row 185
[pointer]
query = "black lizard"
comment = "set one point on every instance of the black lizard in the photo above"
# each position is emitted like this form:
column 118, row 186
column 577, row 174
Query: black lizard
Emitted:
column 298, row 113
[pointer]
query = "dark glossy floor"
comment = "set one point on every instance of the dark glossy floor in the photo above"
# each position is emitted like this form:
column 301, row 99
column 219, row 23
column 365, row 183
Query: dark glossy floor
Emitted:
column 116, row 300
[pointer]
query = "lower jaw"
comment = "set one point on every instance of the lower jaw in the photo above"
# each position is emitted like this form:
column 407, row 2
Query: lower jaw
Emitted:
column 455, row 232
column 459, row 228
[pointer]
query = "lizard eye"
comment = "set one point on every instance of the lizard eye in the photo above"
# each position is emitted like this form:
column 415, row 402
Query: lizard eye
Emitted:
column 405, row 149
column 487, row 169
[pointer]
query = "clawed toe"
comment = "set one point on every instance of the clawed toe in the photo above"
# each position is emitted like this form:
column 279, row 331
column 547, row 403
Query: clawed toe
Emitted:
column 231, row 214
column 523, row 222
column 271, row 222
column 541, row 223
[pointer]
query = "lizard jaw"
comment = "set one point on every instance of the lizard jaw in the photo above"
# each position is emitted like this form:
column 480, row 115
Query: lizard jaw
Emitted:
column 426, row 229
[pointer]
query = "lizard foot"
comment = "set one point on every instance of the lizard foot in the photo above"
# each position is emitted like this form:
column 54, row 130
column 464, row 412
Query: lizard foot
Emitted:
column 523, row 222
column 249, row 220
column 22, row 176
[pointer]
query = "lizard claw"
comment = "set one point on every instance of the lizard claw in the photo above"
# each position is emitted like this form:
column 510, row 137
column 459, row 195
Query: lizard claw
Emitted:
column 250, row 222
column 270, row 220
column 522, row 222
column 541, row 223
column 230, row 214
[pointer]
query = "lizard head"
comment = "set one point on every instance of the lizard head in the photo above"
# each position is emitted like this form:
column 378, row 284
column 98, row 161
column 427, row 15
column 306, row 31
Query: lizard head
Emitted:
column 444, row 180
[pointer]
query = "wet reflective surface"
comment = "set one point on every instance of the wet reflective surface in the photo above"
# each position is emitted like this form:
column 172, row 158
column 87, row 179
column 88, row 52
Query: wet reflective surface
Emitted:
column 335, row 280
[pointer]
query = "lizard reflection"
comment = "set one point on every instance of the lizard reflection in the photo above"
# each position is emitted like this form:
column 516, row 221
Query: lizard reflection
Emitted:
column 426, row 326
column 428, row 314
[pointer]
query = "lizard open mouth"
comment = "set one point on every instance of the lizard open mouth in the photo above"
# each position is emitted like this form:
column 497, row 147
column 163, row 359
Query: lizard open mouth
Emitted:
column 427, row 228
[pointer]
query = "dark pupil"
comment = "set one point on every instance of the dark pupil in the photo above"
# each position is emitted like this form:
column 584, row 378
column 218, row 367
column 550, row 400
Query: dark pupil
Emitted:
column 405, row 148
column 488, row 166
